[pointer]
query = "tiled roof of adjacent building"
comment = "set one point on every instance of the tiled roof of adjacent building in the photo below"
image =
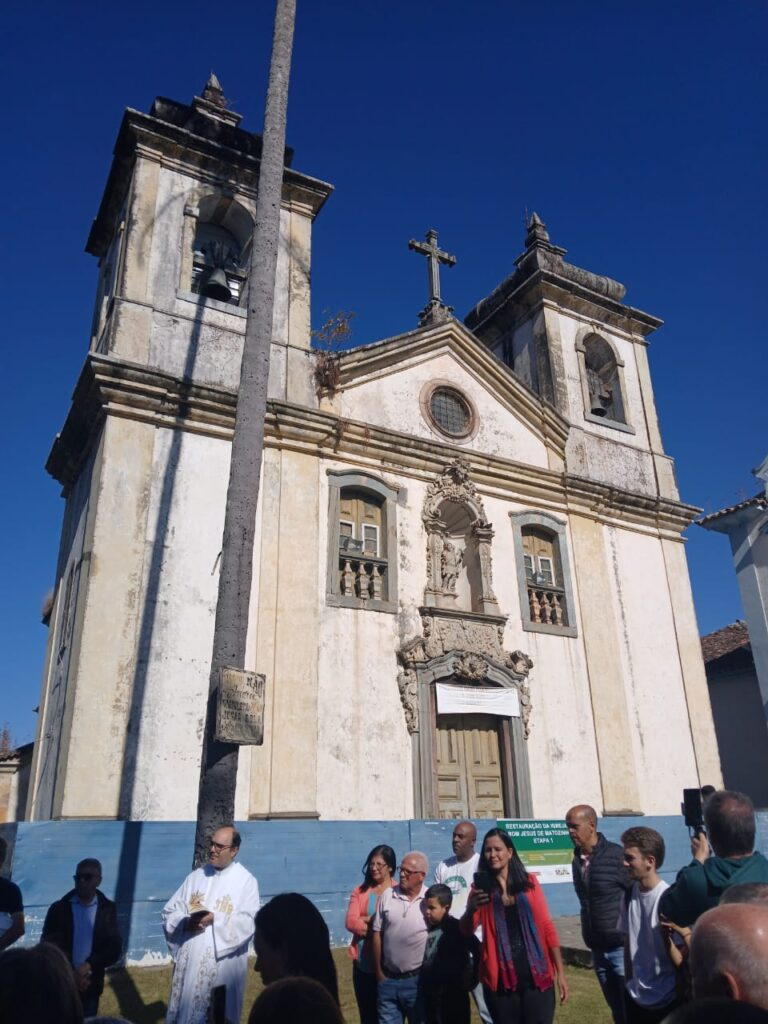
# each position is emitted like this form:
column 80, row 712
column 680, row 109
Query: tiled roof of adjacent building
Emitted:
column 724, row 641
column 14, row 753
column 759, row 501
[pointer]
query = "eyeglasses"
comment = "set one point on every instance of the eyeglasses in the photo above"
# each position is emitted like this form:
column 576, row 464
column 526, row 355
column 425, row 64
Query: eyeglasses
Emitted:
column 380, row 864
column 218, row 847
column 84, row 877
column 407, row 872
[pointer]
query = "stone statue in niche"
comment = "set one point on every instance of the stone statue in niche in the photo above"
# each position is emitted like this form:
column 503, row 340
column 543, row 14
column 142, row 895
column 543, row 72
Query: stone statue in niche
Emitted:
column 452, row 510
column 451, row 561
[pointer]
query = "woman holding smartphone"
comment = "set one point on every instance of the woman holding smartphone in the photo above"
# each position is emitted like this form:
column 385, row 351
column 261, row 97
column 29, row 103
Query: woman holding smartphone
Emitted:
column 520, row 954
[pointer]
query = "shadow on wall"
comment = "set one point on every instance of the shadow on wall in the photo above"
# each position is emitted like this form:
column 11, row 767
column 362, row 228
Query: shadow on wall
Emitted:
column 129, row 855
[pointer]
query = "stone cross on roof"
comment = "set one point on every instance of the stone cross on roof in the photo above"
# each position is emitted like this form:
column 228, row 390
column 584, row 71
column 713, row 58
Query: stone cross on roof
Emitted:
column 435, row 310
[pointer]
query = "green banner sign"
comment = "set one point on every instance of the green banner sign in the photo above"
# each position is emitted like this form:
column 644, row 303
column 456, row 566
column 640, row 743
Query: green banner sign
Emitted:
column 543, row 846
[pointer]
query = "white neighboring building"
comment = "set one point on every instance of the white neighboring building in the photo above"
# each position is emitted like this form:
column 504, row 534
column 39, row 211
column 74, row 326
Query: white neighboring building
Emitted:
column 471, row 596
column 746, row 526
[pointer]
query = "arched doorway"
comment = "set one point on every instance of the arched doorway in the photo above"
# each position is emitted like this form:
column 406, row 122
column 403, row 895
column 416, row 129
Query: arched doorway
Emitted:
column 468, row 767
column 467, row 707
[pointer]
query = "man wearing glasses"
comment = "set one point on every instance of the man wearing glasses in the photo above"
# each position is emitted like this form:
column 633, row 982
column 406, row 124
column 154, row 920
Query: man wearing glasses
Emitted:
column 83, row 924
column 399, row 937
column 208, row 924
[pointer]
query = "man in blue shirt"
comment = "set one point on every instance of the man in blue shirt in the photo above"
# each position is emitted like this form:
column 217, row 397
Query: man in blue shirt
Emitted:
column 83, row 924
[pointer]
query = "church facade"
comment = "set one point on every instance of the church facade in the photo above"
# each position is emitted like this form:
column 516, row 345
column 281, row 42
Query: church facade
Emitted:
column 470, row 595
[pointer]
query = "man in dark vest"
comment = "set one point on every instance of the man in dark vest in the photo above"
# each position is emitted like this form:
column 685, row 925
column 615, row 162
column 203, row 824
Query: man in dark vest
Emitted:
column 83, row 924
column 600, row 880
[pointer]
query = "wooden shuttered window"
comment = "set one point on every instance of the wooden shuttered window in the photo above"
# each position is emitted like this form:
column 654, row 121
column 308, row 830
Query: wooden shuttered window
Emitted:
column 360, row 523
column 540, row 555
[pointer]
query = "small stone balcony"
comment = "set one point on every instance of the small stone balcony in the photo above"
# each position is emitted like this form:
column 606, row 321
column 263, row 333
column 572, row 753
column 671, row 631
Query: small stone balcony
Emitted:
column 360, row 575
column 547, row 604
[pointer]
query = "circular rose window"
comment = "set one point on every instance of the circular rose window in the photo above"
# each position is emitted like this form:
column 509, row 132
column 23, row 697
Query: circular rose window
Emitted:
column 450, row 411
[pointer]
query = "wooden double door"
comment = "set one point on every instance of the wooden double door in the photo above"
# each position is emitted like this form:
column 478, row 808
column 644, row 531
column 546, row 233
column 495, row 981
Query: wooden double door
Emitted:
column 469, row 767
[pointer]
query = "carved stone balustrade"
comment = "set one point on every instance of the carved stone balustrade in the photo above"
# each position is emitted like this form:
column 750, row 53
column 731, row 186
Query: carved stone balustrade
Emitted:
column 362, row 576
column 547, row 605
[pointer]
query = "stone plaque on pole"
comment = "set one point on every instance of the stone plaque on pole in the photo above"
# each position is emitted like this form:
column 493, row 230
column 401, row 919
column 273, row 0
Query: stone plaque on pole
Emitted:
column 240, row 707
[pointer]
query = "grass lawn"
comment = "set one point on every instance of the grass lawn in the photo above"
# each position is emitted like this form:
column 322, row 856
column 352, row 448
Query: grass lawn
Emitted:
column 141, row 994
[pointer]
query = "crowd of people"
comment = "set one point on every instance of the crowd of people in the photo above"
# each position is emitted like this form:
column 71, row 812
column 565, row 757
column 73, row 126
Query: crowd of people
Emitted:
column 672, row 953
column 695, row 951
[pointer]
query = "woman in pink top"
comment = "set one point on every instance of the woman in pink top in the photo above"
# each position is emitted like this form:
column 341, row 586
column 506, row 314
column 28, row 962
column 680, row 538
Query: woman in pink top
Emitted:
column 378, row 872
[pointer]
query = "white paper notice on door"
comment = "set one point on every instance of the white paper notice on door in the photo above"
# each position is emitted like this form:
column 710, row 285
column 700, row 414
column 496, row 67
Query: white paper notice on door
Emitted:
column 477, row 700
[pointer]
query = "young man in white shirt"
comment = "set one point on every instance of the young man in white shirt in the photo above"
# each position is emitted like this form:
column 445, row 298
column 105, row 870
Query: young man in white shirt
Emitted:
column 651, row 980
column 457, row 872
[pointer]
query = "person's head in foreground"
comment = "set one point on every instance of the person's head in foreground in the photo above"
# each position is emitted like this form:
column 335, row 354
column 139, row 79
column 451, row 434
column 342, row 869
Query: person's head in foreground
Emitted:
column 717, row 1011
column 746, row 892
column 224, row 847
column 437, row 905
column 463, row 840
column 643, row 855
column 37, row 986
column 730, row 820
column 108, row 1020
column 87, row 879
column 379, row 867
column 499, row 857
column 295, row 1001
column 292, row 940
column 581, row 822
column 729, row 954
column 413, row 869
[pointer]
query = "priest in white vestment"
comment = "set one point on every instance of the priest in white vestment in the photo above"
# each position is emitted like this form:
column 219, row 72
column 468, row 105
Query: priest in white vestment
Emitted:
column 208, row 923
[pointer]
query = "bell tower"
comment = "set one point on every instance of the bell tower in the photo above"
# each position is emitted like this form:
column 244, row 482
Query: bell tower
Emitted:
column 173, row 235
column 143, row 457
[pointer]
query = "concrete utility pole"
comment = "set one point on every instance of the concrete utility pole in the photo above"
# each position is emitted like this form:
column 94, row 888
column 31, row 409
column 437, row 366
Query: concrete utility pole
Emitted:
column 218, row 770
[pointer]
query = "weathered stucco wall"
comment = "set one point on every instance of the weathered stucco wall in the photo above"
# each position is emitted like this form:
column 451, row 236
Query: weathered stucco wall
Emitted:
column 562, row 729
column 364, row 750
column 651, row 672
column 287, row 638
column 51, row 734
column 175, row 628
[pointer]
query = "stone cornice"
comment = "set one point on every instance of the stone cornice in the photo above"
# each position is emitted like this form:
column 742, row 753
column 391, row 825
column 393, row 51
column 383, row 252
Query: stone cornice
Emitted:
column 369, row 361
column 196, row 154
column 505, row 305
column 113, row 387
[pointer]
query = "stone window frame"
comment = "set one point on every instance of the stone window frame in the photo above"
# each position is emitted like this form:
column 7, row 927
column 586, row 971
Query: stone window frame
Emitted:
column 583, row 335
column 425, row 399
column 341, row 479
column 70, row 583
column 189, row 229
column 558, row 529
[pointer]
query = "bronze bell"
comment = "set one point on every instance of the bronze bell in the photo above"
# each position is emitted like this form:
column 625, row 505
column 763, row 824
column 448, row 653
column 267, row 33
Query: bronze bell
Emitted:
column 216, row 286
column 597, row 409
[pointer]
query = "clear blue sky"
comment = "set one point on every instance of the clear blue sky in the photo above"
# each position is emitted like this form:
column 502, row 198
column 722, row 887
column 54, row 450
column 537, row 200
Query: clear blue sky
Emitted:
column 637, row 131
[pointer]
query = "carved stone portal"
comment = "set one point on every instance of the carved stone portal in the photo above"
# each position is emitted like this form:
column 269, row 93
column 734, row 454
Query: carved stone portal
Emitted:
column 465, row 646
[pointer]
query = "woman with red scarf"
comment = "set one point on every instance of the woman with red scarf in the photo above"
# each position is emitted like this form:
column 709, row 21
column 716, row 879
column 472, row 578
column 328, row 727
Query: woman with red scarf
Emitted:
column 520, row 955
